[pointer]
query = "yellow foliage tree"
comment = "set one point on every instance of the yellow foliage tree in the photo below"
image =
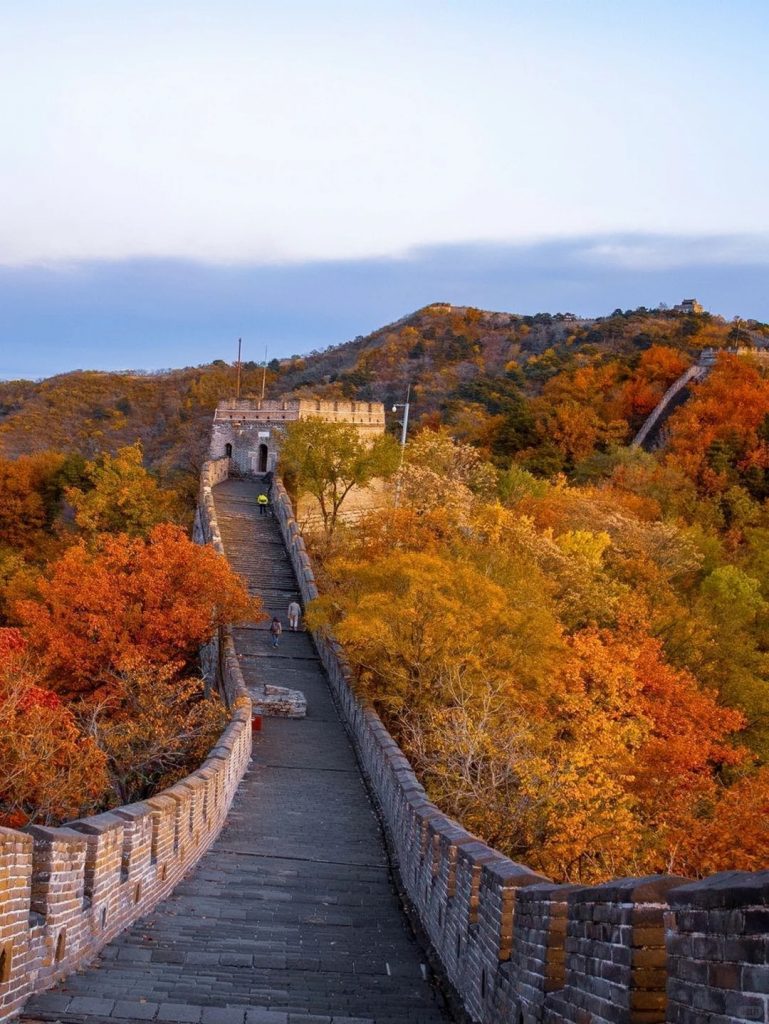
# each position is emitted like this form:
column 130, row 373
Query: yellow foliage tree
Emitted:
column 120, row 496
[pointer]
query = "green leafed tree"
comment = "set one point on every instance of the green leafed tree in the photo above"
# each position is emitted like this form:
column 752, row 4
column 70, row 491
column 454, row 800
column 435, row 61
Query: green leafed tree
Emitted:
column 327, row 460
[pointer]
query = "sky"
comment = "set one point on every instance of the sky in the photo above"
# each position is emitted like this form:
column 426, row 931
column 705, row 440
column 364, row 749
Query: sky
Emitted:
column 176, row 174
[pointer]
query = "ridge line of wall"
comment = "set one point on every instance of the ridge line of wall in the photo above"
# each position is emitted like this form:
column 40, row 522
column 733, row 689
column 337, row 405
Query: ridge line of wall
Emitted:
column 696, row 372
column 518, row 948
column 66, row 892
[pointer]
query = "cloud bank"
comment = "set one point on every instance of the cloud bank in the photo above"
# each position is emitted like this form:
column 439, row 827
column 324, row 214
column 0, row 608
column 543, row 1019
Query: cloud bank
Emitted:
column 153, row 313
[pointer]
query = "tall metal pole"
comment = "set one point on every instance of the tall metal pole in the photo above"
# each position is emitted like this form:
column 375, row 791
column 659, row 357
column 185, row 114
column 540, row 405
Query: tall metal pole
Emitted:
column 264, row 372
column 237, row 386
column 405, row 428
column 404, row 434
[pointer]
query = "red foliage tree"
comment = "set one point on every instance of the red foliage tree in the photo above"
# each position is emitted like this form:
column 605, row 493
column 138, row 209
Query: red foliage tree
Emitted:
column 130, row 603
column 49, row 770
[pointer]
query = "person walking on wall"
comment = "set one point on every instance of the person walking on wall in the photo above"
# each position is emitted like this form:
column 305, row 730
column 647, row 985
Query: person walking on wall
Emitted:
column 264, row 503
column 294, row 612
column 275, row 630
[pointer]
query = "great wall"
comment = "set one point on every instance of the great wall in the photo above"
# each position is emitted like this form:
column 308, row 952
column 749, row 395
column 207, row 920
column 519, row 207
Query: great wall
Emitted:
column 508, row 946
column 654, row 431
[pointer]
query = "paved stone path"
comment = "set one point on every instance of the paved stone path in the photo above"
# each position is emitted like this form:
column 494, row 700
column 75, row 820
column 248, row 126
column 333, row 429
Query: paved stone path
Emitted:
column 292, row 917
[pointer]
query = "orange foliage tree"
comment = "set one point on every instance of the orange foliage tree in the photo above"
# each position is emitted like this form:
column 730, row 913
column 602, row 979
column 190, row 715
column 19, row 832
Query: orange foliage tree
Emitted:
column 49, row 769
column 576, row 748
column 636, row 761
column 154, row 726
column 28, row 492
column 127, row 603
column 721, row 435
column 658, row 367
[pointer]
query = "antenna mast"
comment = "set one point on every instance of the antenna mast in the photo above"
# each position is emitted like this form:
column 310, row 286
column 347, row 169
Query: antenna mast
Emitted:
column 237, row 386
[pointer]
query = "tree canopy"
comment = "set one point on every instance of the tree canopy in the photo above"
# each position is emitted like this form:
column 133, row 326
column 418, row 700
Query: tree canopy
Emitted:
column 578, row 679
column 327, row 460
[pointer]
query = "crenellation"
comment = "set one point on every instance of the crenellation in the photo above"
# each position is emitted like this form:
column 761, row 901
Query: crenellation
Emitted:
column 137, row 840
column 103, row 856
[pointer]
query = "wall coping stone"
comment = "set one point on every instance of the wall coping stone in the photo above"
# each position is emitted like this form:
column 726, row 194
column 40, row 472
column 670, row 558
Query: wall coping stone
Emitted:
column 648, row 889
column 727, row 889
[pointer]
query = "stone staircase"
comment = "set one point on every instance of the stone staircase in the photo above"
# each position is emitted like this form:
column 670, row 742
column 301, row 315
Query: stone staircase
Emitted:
column 255, row 550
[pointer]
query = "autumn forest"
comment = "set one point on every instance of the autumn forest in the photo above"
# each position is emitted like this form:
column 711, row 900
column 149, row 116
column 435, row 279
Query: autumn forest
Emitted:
column 566, row 634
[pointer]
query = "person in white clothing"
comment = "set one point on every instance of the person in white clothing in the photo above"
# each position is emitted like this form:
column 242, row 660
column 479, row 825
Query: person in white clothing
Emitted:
column 294, row 611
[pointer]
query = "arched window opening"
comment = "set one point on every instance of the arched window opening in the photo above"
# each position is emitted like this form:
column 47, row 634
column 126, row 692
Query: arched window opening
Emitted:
column 228, row 450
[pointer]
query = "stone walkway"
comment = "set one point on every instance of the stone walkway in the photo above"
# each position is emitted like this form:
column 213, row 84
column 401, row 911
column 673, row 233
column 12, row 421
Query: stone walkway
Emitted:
column 292, row 917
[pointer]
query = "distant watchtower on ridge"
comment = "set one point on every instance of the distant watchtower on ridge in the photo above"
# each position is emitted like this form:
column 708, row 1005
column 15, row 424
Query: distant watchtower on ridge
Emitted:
column 249, row 431
column 689, row 306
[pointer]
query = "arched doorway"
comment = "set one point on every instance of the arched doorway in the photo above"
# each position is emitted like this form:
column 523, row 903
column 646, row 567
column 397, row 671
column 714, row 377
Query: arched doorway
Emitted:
column 228, row 451
column 262, row 464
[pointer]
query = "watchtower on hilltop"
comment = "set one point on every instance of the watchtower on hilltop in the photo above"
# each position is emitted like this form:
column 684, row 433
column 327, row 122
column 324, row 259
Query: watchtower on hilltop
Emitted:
column 689, row 306
column 249, row 431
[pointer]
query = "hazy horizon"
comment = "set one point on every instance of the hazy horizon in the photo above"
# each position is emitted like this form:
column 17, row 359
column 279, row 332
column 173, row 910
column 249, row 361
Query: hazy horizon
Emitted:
column 152, row 314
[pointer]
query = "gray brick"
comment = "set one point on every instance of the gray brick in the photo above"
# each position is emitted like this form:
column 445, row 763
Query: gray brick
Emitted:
column 54, row 1001
column 182, row 1013
column 223, row 1015
column 254, row 1015
column 236, row 960
column 199, row 957
column 135, row 1011
column 91, row 1005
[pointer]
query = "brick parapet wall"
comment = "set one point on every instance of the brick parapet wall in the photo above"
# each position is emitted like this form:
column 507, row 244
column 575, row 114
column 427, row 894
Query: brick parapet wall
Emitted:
column 219, row 658
column 246, row 410
column 516, row 947
column 718, row 946
column 66, row 892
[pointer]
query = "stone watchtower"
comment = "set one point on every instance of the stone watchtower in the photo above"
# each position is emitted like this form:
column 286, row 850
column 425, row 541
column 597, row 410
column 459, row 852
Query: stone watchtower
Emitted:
column 249, row 431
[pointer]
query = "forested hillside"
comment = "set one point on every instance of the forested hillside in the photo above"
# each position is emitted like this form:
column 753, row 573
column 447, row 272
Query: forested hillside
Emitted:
column 89, row 412
column 548, row 389
column 567, row 635
column 552, row 387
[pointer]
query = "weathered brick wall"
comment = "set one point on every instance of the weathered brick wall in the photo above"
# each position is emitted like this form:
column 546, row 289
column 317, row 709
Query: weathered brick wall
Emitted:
column 615, row 960
column 219, row 658
column 718, row 945
column 65, row 892
column 517, row 948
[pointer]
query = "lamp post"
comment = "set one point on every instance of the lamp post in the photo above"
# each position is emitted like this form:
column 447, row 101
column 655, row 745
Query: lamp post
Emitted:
column 405, row 428
column 404, row 432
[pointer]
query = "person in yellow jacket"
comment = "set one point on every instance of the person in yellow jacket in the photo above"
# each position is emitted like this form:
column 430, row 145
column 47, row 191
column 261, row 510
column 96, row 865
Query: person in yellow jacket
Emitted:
column 264, row 503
